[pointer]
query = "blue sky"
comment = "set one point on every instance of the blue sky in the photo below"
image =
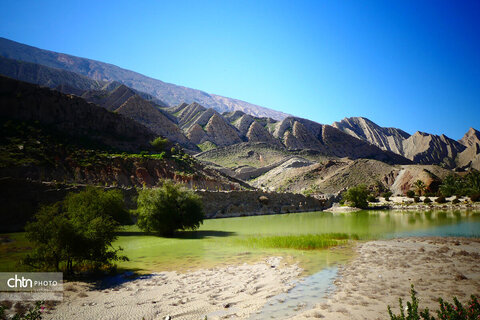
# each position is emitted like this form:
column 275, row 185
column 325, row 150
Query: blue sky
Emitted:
column 414, row 65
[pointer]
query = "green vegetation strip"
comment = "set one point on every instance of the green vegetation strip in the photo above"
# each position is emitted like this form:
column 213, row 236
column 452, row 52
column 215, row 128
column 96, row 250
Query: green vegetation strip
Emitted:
column 301, row 242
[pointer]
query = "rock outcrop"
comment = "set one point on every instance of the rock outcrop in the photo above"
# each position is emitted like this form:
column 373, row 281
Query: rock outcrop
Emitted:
column 431, row 176
column 144, row 112
column 196, row 134
column 390, row 139
column 470, row 138
column 243, row 123
column 220, row 132
column 257, row 133
column 426, row 148
column 470, row 157
column 422, row 148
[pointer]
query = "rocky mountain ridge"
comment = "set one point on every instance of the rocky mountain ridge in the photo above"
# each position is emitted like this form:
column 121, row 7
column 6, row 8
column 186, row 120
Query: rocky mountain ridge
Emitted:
column 196, row 127
column 421, row 147
column 167, row 92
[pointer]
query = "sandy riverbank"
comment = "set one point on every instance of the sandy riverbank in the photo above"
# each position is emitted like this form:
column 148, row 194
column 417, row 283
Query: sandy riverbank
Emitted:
column 216, row 293
column 383, row 271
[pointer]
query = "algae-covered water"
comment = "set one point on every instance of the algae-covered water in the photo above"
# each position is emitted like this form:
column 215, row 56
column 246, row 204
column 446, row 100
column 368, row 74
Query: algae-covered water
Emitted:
column 219, row 241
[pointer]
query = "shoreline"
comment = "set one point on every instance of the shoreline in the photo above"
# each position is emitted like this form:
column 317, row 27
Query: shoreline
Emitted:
column 383, row 270
column 380, row 272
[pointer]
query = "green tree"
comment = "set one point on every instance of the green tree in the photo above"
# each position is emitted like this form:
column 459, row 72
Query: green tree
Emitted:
column 169, row 208
column 419, row 186
column 79, row 230
column 96, row 202
column 473, row 182
column 449, row 186
column 357, row 196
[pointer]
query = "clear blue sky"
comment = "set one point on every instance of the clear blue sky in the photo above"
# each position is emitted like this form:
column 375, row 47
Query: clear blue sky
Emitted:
column 408, row 64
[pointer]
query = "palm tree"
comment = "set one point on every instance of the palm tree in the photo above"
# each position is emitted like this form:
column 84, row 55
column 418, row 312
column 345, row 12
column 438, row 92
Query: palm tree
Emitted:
column 419, row 185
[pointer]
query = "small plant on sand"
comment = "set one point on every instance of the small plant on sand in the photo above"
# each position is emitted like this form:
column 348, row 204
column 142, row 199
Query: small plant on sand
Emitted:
column 427, row 200
column 441, row 199
column 372, row 199
column 416, row 199
column 447, row 311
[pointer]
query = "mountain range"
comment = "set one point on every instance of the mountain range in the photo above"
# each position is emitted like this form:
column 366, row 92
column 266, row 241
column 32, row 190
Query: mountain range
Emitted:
column 200, row 122
column 100, row 71
column 420, row 147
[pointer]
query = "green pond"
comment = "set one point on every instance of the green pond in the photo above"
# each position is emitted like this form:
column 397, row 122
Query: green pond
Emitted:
column 219, row 241
column 223, row 241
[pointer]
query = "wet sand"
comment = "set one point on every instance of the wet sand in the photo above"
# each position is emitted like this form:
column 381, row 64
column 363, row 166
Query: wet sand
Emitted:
column 383, row 271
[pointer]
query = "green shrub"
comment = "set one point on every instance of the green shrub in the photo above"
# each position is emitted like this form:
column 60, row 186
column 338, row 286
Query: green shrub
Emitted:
column 159, row 144
column 427, row 200
column 410, row 193
column 455, row 310
column 357, row 196
column 371, row 198
column 416, row 199
column 455, row 201
column 169, row 208
column 441, row 199
column 387, row 195
column 79, row 230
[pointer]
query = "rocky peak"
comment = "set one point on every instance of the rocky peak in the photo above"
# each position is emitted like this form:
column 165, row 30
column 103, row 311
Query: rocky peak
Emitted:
column 305, row 137
column 362, row 128
column 220, row 132
column 196, row 134
column 257, row 133
column 233, row 115
column 470, row 138
column 431, row 149
column 243, row 123
column 192, row 114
